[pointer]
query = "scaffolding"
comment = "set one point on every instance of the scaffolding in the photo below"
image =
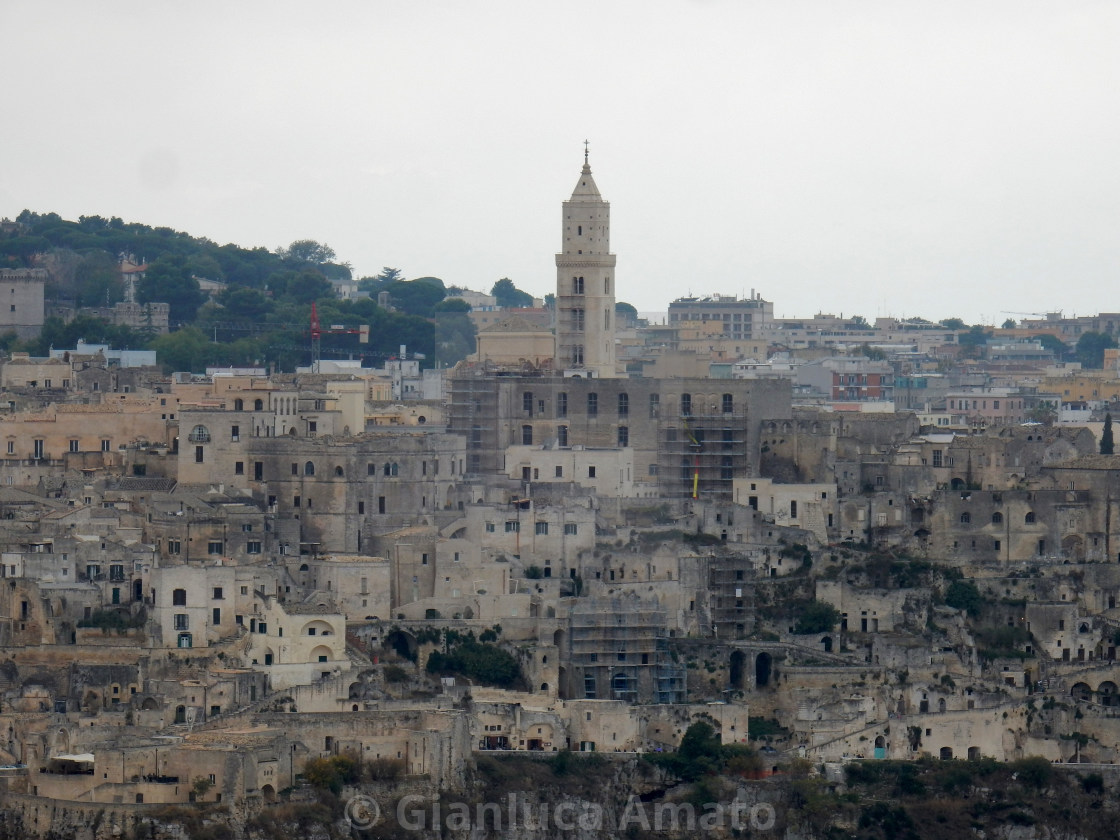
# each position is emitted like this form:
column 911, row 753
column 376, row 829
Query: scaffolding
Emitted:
column 619, row 651
column 701, row 453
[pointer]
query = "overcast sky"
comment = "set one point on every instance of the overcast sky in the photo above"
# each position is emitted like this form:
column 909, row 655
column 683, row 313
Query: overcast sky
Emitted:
column 876, row 158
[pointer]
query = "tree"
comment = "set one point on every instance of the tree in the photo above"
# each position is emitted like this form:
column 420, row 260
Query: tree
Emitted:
column 1009, row 324
column 1091, row 347
column 308, row 251
column 1106, row 436
column 953, row 323
column 508, row 296
column 818, row 617
column 168, row 280
column 1054, row 344
column 416, row 297
column 963, row 595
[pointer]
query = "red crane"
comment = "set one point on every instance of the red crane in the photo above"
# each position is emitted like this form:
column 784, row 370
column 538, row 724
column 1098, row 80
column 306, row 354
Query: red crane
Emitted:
column 317, row 331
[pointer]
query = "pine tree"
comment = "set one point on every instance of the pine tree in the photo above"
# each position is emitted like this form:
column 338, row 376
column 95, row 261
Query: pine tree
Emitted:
column 1106, row 436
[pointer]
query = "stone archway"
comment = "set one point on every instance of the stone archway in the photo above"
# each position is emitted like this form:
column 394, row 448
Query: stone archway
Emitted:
column 763, row 669
column 737, row 671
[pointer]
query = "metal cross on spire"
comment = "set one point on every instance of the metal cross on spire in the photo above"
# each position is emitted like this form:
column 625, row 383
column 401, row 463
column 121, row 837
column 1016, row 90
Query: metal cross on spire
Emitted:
column 586, row 144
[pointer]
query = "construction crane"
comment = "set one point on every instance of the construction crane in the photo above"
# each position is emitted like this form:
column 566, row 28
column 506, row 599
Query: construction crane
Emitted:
column 335, row 329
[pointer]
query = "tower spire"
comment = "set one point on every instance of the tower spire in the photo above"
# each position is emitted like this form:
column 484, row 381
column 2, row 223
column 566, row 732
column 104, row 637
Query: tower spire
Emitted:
column 586, row 144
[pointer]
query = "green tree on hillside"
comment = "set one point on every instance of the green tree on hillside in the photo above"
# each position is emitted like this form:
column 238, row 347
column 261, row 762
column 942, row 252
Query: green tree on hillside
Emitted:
column 1091, row 347
column 168, row 280
column 508, row 296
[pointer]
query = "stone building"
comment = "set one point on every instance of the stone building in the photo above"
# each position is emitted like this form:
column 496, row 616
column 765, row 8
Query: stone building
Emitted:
column 690, row 437
column 23, row 310
column 585, row 285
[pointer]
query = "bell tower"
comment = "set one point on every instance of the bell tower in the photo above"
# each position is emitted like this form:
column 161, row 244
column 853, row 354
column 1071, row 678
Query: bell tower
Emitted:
column 585, row 283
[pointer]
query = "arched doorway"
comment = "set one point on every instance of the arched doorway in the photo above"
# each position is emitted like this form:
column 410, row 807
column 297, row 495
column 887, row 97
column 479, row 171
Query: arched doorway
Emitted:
column 1106, row 693
column 180, row 714
column 763, row 667
column 826, row 643
column 562, row 683
column 1081, row 691
column 738, row 667
column 946, row 753
column 269, row 793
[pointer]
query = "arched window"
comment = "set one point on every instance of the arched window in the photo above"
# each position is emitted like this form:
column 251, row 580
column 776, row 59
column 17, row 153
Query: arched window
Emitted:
column 966, row 518
column 258, row 405
column 199, row 434
column 1029, row 518
column 239, row 404
column 997, row 518
column 686, row 405
column 338, row 472
column 309, row 468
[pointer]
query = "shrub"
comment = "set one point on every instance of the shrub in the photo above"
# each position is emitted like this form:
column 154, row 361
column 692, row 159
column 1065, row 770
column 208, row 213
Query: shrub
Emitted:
column 963, row 595
column 395, row 674
column 818, row 617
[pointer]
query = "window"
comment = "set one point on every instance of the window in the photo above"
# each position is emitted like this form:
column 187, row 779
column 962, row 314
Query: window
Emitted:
column 937, row 457
column 73, row 445
column 966, row 518
column 238, row 404
column 106, row 445
column 235, row 433
column 571, row 529
column 239, row 468
column 199, row 454
column 214, row 547
column 623, row 405
column 623, row 435
column 179, row 598
column 309, row 468
column 686, row 405
column 182, row 621
column 527, row 403
column 562, row 436
column 577, row 354
column 199, row 434
column 592, row 405
column 174, row 546
column 1029, row 518
column 253, row 547
column 728, row 403
column 527, row 435
column 997, row 518
column 577, row 320
column 562, row 404
column 11, row 447
column 37, row 448
column 542, row 529
column 654, row 406
column 559, row 472
column 380, row 504
column 577, row 285
column 590, row 472
column 489, row 527
column 217, row 617
column 218, row 593
column 295, row 469
column 512, row 526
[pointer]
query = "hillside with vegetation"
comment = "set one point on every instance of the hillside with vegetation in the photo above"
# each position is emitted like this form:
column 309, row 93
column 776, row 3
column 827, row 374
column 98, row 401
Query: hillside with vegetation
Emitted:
column 261, row 317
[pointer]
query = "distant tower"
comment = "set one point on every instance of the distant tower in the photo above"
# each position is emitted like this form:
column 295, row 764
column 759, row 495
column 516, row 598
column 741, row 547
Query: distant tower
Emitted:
column 585, row 283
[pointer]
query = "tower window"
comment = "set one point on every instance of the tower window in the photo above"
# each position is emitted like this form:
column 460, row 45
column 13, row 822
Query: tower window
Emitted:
column 577, row 285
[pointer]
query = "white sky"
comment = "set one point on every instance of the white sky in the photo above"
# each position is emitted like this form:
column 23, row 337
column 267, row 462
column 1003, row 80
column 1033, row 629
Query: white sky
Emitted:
column 902, row 157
